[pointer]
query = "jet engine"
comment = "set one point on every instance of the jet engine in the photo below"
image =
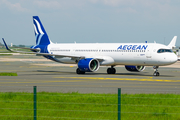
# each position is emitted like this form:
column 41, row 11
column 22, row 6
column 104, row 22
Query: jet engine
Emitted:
column 134, row 68
column 88, row 65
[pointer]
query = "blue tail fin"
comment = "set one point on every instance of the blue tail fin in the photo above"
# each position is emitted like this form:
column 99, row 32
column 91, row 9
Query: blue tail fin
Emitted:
column 40, row 33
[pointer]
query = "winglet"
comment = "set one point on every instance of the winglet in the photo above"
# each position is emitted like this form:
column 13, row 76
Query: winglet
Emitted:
column 6, row 45
column 172, row 43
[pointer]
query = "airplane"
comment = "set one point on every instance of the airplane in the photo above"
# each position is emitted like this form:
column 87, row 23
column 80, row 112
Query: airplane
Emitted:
column 90, row 56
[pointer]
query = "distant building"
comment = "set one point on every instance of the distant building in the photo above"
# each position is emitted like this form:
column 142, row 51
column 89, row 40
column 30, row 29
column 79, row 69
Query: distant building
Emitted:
column 1, row 45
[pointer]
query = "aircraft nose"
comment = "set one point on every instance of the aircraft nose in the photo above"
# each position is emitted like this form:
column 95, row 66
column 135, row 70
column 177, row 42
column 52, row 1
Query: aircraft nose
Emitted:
column 174, row 58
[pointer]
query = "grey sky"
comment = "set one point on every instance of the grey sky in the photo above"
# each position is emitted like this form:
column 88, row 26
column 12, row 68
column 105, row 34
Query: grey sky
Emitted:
column 91, row 20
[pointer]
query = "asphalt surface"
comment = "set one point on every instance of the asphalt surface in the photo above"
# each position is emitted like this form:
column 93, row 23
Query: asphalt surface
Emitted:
column 54, row 77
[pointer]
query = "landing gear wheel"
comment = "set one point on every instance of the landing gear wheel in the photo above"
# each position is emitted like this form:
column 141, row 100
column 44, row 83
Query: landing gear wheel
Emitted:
column 111, row 71
column 78, row 71
column 156, row 73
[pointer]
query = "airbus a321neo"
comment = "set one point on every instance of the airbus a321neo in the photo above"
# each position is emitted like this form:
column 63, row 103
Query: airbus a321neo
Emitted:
column 90, row 56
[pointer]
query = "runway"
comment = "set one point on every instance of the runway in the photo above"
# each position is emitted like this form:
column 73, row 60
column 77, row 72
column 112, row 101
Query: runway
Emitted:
column 54, row 77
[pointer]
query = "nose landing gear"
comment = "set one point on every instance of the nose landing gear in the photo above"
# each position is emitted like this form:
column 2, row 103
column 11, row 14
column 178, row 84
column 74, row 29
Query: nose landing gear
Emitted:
column 156, row 73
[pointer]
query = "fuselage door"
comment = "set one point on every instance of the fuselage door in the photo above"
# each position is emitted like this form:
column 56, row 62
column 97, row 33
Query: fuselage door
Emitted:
column 149, row 53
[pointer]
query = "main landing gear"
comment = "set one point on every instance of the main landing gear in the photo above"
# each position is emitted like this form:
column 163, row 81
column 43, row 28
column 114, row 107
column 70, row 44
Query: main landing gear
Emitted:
column 156, row 73
column 111, row 70
column 78, row 71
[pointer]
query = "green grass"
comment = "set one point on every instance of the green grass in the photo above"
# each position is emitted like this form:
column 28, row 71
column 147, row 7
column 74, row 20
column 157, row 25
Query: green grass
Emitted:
column 67, row 106
column 5, row 54
column 4, row 50
column 8, row 74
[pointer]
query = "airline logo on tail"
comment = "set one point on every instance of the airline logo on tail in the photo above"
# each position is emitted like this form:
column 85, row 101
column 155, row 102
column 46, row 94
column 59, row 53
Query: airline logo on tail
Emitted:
column 40, row 33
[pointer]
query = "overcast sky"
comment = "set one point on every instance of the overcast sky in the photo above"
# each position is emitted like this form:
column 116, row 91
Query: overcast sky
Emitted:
column 89, row 21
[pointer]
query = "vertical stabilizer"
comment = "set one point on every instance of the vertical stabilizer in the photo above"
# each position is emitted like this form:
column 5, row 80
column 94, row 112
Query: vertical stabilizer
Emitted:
column 172, row 43
column 40, row 33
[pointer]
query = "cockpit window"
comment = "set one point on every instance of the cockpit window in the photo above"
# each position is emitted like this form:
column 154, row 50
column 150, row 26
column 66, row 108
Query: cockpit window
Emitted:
column 164, row 50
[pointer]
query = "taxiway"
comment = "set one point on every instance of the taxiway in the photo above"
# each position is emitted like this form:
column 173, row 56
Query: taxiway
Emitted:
column 54, row 77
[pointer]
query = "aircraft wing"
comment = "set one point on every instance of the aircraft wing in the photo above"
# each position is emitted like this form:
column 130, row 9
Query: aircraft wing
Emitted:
column 37, row 50
column 18, row 47
column 38, row 53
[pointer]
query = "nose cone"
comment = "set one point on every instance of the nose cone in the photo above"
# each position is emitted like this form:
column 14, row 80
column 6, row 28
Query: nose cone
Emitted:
column 173, row 58
column 169, row 59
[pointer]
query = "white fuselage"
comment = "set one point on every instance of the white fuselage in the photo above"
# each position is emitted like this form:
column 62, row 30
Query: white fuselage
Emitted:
column 144, row 54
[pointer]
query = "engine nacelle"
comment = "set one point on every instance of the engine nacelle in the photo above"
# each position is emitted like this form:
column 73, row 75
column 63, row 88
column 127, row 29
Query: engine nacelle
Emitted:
column 134, row 68
column 88, row 65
